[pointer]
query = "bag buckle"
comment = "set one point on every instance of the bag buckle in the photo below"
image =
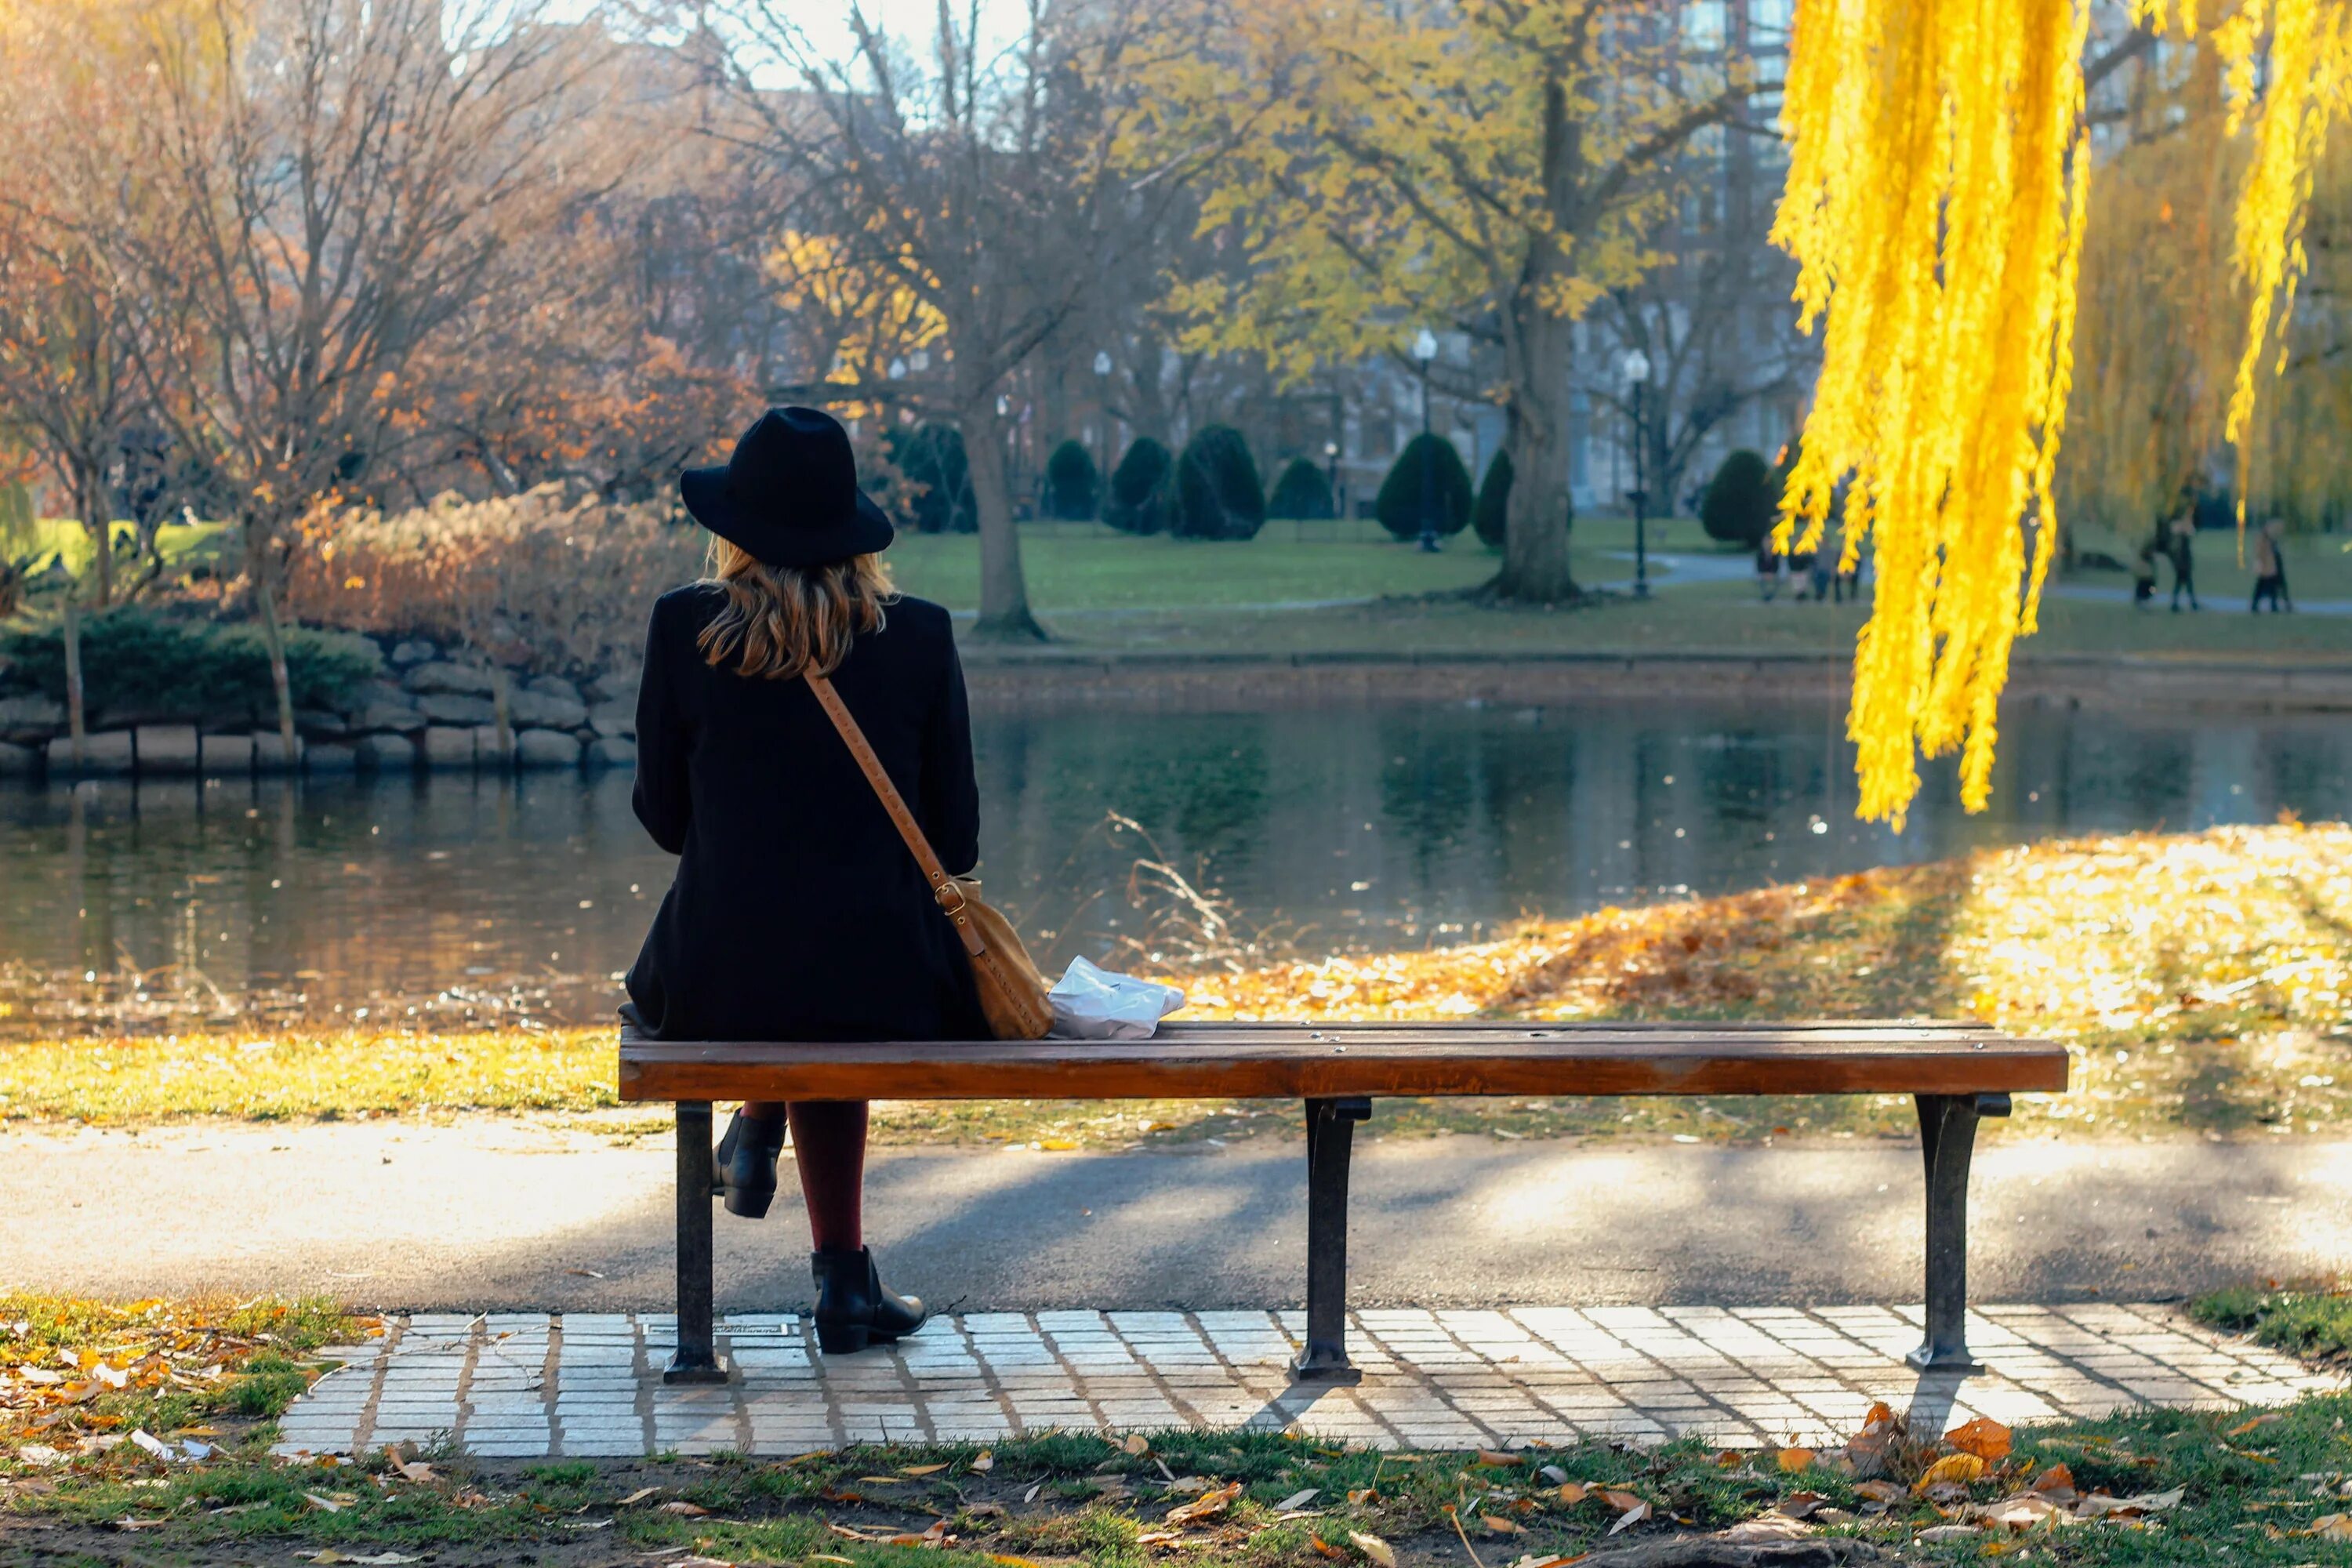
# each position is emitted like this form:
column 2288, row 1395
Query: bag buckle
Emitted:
column 944, row 889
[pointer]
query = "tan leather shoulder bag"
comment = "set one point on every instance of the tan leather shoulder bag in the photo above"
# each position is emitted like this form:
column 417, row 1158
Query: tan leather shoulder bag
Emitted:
column 1012, row 992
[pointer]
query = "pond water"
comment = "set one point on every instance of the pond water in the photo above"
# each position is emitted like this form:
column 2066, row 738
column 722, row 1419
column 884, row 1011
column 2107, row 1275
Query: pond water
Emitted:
column 1353, row 827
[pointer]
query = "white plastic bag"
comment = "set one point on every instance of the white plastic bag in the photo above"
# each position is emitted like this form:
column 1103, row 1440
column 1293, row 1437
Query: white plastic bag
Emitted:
column 1091, row 1002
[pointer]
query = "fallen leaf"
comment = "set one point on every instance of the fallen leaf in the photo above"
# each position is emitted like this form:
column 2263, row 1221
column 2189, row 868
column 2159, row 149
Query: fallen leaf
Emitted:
column 829, row 1557
column 920, row 1470
column 1136, row 1445
column 1794, row 1460
column 1619, row 1498
column 1881, row 1493
column 984, row 1461
column 1554, row 1474
column 325, row 1505
column 2056, row 1478
column 637, row 1496
column 880, row 1481
column 1362, row 1495
column 154, row 1445
column 2243, row 1427
column 1159, row 1537
column 1488, row 1458
column 699, row 1562
column 1208, row 1505
column 1935, row 1532
column 998, row 1558
column 1297, row 1499
column 684, row 1509
column 1031, row 1495
column 1799, row 1505
column 127, row 1523
column 2329, row 1527
column 1572, row 1492
column 1325, row 1549
column 1630, row 1518
column 1500, row 1525
column 2098, row 1505
column 1985, row 1437
column 1952, row 1469
column 40, row 1453
column 1374, row 1546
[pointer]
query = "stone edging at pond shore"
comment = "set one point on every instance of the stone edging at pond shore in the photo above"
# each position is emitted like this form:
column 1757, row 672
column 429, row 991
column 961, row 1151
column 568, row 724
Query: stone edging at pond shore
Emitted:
column 1005, row 678
column 438, row 714
column 431, row 713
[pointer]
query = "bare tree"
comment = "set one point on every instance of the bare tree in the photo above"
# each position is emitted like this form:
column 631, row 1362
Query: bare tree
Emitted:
column 336, row 173
column 982, row 183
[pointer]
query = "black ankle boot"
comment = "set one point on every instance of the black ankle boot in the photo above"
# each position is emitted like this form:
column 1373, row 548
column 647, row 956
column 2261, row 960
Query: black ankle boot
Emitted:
column 853, row 1309
column 744, row 1166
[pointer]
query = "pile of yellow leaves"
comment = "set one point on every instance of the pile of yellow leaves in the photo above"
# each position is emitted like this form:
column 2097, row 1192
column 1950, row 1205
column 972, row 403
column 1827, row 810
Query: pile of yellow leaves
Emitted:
column 57, row 1371
column 2136, row 931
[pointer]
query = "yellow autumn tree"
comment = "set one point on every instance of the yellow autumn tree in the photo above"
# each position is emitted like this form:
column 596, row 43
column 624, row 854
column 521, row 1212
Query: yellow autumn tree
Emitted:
column 1489, row 165
column 1938, row 187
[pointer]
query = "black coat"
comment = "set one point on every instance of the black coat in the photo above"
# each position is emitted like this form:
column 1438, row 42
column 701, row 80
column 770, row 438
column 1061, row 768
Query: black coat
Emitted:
column 797, row 913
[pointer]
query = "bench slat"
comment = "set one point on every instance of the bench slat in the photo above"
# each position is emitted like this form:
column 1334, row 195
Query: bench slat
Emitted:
column 1243, row 1061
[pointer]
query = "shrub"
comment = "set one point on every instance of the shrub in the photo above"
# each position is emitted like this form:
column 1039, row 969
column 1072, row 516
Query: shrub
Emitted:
column 1741, row 500
column 1140, row 490
column 1073, row 483
column 1491, row 514
column 1218, row 492
column 555, row 581
column 1302, row 491
column 933, row 456
column 1399, row 505
column 135, row 660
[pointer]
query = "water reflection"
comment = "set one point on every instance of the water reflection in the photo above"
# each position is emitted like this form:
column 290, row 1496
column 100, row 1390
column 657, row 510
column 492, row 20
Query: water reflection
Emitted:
column 1353, row 827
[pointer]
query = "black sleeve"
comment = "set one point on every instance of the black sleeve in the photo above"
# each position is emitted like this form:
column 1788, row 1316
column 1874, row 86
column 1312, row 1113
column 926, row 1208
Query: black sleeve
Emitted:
column 662, row 801
column 950, row 803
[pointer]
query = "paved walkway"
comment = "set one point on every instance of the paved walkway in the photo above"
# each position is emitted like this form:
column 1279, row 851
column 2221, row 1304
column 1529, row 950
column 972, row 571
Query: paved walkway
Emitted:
column 505, row 1211
column 529, row 1385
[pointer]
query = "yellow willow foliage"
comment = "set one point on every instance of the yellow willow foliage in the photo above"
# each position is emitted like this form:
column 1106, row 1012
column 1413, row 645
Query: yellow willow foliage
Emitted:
column 2305, row 81
column 1936, row 188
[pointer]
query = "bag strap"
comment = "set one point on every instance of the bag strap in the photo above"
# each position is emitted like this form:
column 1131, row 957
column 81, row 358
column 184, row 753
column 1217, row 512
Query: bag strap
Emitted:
column 943, row 887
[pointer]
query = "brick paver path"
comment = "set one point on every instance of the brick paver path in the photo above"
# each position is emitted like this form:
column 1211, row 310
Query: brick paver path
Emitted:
column 526, row 1385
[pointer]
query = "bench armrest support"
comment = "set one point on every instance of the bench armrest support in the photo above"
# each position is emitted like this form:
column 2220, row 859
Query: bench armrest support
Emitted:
column 1948, row 1135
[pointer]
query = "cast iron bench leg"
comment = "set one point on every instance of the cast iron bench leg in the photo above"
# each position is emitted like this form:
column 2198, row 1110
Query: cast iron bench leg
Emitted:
column 694, row 1360
column 1948, row 1135
column 1331, row 1139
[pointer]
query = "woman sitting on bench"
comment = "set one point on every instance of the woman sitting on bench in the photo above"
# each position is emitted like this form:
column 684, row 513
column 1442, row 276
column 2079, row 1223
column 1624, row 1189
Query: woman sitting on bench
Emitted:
column 796, row 912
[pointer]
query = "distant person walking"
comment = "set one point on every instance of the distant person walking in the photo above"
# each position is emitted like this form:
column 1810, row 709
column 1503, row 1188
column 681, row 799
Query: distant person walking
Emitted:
column 2270, row 569
column 1767, row 569
column 2144, row 571
column 2180, row 538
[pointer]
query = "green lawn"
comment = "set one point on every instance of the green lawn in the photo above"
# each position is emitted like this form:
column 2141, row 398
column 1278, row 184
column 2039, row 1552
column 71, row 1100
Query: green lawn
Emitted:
column 204, row 1389
column 1099, row 590
column 57, row 537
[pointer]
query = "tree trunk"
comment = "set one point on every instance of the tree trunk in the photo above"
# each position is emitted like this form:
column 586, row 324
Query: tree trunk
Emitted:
column 98, row 529
column 273, row 638
column 1534, row 544
column 77, row 728
column 1004, row 592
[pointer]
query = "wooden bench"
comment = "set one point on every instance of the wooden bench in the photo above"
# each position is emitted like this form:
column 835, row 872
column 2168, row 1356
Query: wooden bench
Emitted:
column 1956, row 1072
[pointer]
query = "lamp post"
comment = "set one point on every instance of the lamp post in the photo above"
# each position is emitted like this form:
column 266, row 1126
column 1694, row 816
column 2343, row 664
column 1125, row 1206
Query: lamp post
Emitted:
column 1637, row 372
column 1331, row 473
column 1424, row 349
column 1102, row 397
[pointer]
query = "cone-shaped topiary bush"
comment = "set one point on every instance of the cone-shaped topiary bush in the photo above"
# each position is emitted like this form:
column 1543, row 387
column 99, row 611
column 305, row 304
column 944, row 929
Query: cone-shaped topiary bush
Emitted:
column 932, row 456
column 1218, row 492
column 1399, row 505
column 1303, row 490
column 1142, row 491
column 1073, row 483
column 1491, row 515
column 1740, row 501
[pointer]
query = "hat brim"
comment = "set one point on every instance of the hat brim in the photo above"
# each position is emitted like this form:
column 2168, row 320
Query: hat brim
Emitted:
column 802, row 541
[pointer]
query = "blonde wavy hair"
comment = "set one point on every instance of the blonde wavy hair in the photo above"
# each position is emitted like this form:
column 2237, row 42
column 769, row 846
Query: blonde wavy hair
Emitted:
column 780, row 622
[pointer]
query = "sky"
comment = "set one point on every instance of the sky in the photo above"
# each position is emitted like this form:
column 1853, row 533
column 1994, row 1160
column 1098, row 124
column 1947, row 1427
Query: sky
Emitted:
column 912, row 21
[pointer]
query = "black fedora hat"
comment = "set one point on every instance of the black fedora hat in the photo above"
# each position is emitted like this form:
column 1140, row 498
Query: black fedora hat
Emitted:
column 788, row 494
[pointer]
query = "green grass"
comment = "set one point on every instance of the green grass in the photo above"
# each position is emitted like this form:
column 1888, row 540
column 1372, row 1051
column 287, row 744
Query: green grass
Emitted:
column 59, row 537
column 2249, row 1496
column 2316, row 1323
column 1100, row 591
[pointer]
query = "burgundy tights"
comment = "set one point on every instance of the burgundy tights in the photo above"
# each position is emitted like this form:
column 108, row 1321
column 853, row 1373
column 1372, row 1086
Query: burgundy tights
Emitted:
column 829, row 1147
